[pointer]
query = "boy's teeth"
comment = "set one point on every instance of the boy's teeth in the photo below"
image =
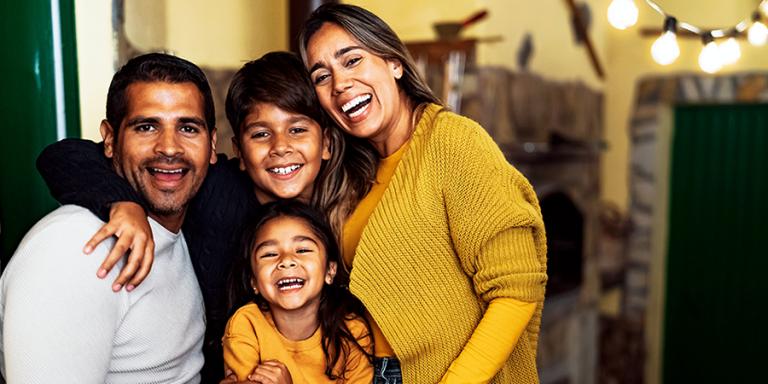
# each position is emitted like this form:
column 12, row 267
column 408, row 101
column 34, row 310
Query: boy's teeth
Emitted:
column 354, row 102
column 285, row 170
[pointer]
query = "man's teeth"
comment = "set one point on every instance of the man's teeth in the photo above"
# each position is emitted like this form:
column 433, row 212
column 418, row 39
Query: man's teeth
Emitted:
column 284, row 170
column 354, row 103
column 293, row 283
column 167, row 171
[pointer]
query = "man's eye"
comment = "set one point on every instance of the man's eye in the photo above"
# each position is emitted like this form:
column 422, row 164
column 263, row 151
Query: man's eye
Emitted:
column 145, row 128
column 190, row 129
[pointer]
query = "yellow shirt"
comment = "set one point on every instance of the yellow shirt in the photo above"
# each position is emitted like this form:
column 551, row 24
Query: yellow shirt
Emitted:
column 353, row 229
column 251, row 337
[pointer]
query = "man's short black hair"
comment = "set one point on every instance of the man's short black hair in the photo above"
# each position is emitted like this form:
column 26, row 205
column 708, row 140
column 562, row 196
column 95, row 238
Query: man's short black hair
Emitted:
column 153, row 67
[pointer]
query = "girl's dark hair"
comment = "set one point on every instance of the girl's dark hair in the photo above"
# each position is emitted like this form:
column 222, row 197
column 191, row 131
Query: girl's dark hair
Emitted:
column 376, row 36
column 337, row 304
column 280, row 78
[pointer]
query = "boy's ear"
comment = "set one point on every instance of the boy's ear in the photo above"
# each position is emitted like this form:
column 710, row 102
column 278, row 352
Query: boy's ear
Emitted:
column 213, row 146
column 108, row 135
column 238, row 152
column 331, row 272
column 326, row 155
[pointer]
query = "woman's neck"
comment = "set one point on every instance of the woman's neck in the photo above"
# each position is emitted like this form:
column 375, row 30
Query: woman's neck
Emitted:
column 297, row 324
column 402, row 128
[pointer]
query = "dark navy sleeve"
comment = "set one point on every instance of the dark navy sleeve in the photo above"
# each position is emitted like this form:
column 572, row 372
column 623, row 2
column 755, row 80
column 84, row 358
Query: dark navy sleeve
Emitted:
column 77, row 172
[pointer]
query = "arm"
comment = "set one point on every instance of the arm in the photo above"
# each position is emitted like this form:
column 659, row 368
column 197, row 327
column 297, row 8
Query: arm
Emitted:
column 359, row 367
column 77, row 172
column 55, row 310
column 241, row 347
column 507, row 264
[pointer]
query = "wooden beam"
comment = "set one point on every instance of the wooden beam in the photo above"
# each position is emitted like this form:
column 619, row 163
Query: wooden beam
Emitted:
column 682, row 33
column 587, row 40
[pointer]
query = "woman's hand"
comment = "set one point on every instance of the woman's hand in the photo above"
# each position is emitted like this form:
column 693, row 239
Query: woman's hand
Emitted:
column 271, row 372
column 129, row 223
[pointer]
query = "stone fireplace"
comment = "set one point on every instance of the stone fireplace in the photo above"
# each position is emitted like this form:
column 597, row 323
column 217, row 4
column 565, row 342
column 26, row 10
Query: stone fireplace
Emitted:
column 552, row 133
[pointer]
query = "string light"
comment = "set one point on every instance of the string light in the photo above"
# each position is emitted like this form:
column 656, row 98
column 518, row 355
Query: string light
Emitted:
column 758, row 33
column 622, row 14
column 709, row 58
column 665, row 50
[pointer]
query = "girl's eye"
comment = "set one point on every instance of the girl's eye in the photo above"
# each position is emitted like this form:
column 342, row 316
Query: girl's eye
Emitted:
column 297, row 130
column 268, row 254
column 303, row 250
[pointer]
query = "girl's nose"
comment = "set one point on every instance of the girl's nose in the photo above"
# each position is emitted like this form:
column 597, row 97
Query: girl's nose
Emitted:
column 287, row 263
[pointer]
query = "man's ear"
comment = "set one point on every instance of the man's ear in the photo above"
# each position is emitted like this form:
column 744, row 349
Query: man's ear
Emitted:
column 238, row 152
column 213, row 146
column 326, row 144
column 108, row 135
column 331, row 272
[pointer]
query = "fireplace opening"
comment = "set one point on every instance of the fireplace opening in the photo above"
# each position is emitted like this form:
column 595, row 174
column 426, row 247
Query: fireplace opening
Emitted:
column 564, row 224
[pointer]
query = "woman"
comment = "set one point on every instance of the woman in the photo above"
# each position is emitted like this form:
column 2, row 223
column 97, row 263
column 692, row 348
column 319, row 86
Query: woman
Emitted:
column 447, row 251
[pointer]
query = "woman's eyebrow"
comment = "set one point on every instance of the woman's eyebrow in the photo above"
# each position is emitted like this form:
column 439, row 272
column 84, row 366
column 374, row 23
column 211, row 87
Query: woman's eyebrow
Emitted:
column 336, row 55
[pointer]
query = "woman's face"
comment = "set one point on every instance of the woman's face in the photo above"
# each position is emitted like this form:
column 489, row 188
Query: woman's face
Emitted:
column 282, row 152
column 356, row 87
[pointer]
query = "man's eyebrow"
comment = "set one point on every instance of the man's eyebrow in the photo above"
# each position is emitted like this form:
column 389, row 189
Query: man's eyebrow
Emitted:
column 193, row 120
column 336, row 55
column 141, row 120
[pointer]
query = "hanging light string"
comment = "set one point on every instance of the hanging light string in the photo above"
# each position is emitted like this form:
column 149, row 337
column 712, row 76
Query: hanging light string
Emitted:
column 623, row 14
column 716, row 33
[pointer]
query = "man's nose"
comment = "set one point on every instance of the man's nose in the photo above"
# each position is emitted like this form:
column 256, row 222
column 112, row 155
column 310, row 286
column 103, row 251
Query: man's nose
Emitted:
column 168, row 143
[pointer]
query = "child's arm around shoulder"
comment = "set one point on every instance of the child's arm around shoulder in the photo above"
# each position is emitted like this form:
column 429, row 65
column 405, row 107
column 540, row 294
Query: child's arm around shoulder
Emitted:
column 242, row 352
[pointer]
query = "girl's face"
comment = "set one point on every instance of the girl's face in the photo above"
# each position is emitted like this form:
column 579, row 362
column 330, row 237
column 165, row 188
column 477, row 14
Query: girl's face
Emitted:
column 289, row 265
column 356, row 87
column 282, row 152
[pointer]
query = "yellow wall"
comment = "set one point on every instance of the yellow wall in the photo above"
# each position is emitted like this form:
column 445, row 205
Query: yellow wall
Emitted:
column 227, row 33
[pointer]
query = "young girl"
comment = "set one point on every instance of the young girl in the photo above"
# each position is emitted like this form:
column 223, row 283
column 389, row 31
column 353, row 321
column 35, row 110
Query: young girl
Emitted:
column 287, row 148
column 296, row 320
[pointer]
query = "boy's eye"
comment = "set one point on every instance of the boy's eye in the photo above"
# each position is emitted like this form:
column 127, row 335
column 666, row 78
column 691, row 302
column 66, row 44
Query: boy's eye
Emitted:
column 296, row 130
column 259, row 134
column 320, row 78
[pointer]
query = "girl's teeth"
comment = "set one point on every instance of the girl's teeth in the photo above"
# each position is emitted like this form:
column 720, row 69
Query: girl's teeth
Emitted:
column 285, row 170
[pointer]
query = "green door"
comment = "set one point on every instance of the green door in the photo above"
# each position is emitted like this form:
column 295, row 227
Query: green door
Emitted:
column 39, row 105
column 717, row 260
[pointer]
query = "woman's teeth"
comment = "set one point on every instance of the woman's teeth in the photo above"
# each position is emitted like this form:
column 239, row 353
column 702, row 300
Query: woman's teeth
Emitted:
column 284, row 170
column 355, row 106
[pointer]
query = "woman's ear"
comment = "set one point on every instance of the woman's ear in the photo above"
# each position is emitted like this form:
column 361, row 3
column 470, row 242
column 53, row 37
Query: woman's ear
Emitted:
column 331, row 272
column 397, row 68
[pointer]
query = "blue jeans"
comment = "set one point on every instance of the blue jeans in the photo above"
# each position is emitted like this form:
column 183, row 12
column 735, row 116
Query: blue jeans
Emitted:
column 386, row 370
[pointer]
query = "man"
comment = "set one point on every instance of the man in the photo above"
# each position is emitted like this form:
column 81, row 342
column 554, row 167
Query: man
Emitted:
column 57, row 321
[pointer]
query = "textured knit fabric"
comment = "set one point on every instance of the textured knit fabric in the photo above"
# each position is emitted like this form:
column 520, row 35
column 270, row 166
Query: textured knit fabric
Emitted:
column 251, row 337
column 77, row 172
column 439, row 247
column 353, row 229
column 61, row 323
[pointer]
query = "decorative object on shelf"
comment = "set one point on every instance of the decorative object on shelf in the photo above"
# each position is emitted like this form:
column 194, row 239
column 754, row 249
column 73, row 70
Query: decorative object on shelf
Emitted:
column 720, row 47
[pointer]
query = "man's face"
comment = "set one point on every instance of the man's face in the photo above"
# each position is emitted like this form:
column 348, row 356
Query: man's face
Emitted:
column 163, row 146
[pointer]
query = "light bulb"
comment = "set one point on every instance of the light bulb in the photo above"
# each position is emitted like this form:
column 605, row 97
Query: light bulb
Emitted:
column 758, row 33
column 709, row 59
column 730, row 51
column 622, row 14
column 665, row 49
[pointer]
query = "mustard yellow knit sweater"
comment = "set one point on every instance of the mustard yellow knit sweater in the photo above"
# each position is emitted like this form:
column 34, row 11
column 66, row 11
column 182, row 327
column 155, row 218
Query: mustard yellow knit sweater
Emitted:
column 441, row 245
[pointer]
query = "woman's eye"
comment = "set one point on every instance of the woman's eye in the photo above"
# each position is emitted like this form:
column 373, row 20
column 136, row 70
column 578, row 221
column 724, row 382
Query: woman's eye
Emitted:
column 353, row 61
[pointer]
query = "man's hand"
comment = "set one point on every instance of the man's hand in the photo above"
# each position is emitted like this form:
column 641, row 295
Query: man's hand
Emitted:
column 271, row 372
column 128, row 222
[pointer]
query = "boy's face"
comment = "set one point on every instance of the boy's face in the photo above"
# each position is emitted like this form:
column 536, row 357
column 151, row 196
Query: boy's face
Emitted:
column 282, row 152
